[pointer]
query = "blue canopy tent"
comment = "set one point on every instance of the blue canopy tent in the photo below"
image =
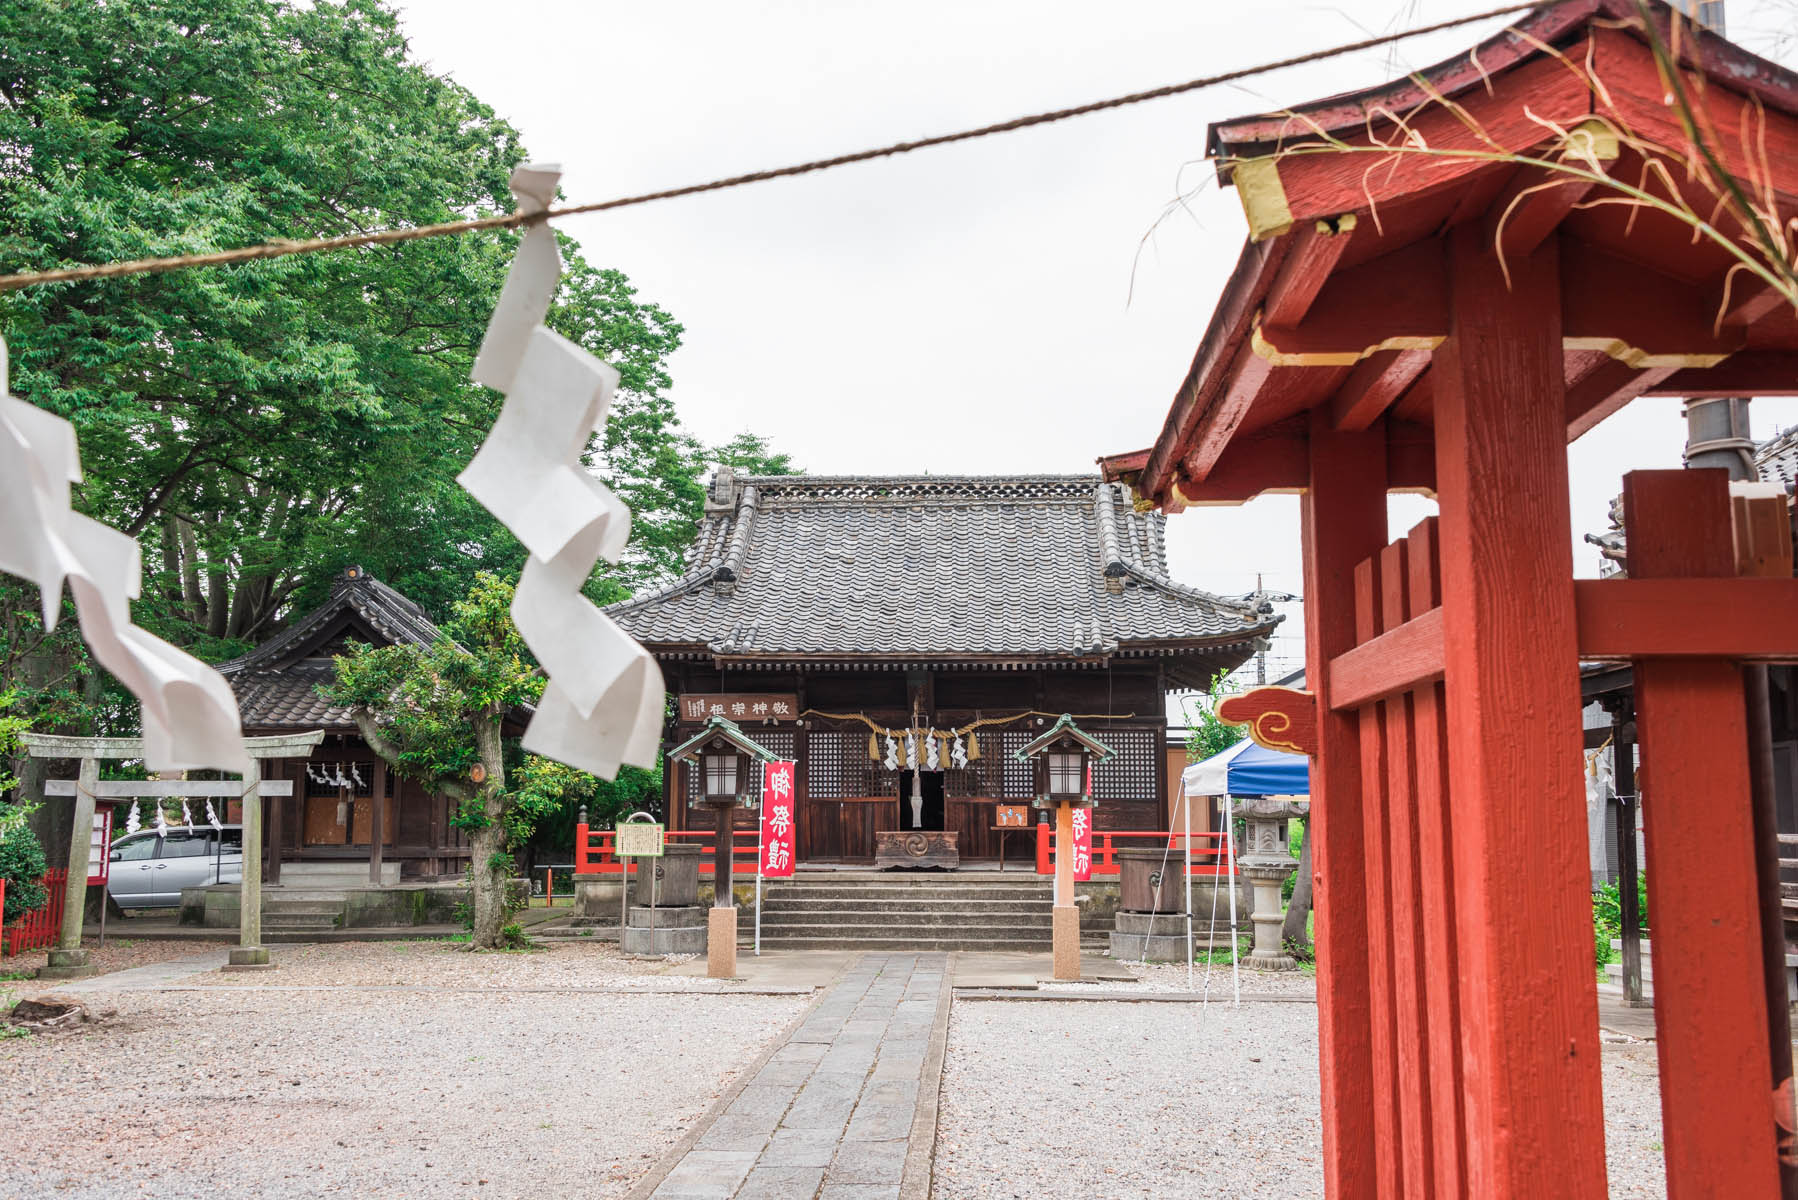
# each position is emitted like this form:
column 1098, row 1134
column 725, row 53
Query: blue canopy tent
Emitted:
column 1247, row 769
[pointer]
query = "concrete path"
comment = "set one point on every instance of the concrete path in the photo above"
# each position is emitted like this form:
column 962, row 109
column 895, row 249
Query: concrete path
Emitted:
column 831, row 1113
column 155, row 975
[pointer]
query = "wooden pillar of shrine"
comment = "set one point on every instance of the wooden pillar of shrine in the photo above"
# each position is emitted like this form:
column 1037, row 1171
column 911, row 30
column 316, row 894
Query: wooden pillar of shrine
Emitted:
column 1710, row 1009
column 1528, row 1025
column 1343, row 520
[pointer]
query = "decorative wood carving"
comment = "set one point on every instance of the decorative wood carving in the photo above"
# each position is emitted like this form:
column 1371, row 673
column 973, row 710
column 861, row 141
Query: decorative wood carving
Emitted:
column 1278, row 718
column 917, row 848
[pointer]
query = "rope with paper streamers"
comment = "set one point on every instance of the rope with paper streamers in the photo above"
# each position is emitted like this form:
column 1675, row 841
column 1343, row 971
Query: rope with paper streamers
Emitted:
column 386, row 237
column 908, row 756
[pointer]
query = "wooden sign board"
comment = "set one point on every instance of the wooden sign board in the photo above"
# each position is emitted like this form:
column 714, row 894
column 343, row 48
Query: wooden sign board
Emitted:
column 638, row 839
column 99, row 848
column 1012, row 816
column 696, row 707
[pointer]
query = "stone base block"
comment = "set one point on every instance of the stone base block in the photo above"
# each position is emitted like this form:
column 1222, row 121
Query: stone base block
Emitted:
column 721, row 943
column 1265, row 961
column 248, row 958
column 660, row 931
column 68, row 964
column 1137, row 938
column 1064, row 928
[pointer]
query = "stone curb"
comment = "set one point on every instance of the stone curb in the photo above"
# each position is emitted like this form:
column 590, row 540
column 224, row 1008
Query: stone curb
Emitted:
column 920, row 1150
column 1126, row 997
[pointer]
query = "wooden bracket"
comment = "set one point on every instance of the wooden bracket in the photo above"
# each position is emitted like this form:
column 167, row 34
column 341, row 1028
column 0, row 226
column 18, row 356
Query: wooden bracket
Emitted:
column 1279, row 718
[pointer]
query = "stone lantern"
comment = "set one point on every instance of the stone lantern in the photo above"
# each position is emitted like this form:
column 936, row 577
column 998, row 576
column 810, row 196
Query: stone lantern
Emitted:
column 1064, row 756
column 728, row 762
column 1266, row 861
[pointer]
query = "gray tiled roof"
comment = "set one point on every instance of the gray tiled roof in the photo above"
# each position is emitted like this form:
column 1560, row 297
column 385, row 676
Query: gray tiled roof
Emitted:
column 277, row 682
column 920, row 567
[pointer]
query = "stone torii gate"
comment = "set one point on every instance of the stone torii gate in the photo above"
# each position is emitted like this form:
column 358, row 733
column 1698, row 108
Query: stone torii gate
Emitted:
column 68, row 960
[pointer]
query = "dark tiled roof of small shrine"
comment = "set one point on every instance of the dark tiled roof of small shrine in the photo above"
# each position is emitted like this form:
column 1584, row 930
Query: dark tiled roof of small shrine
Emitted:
column 277, row 682
column 931, row 567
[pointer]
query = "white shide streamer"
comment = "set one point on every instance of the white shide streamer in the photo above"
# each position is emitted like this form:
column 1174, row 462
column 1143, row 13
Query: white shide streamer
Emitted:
column 602, row 706
column 190, row 717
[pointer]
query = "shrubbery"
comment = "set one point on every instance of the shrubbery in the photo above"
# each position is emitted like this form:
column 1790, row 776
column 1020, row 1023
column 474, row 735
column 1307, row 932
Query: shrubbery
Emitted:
column 1607, row 916
column 22, row 865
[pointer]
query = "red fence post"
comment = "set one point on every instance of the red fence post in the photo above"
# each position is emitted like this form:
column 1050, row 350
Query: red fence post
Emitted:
column 580, row 848
column 1043, row 866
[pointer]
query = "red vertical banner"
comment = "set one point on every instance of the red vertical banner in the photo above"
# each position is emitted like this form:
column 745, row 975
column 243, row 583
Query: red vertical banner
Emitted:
column 777, row 819
column 1083, row 844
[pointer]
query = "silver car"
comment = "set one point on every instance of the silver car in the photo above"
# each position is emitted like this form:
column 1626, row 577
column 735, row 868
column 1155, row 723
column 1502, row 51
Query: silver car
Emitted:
column 149, row 870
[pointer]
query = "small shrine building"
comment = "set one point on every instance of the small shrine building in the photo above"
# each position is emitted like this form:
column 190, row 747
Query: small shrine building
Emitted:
column 344, row 790
column 836, row 618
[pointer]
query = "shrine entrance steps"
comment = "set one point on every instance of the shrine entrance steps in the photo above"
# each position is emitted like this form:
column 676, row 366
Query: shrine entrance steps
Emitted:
column 906, row 910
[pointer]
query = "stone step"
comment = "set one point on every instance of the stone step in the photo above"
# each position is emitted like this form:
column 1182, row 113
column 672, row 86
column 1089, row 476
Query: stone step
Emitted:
column 961, row 918
column 298, row 921
column 901, row 941
column 907, row 895
column 970, row 904
column 271, row 905
column 865, row 929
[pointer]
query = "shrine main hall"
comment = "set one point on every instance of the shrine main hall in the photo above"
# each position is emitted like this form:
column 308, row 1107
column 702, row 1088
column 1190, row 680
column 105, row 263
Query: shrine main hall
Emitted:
column 892, row 633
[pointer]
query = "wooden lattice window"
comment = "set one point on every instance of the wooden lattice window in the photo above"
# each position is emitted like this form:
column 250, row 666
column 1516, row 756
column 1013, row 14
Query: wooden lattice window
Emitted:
column 832, row 763
column 1131, row 774
column 1017, row 780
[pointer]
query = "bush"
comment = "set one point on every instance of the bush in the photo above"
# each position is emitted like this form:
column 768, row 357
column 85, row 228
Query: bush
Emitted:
column 1607, row 915
column 22, row 865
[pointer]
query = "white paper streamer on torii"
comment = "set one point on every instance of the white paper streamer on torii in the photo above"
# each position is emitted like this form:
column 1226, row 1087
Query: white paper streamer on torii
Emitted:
column 892, row 758
column 602, row 706
column 190, row 717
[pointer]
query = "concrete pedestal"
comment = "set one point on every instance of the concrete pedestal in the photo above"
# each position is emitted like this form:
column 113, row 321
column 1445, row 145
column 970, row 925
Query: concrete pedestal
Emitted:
column 248, row 958
column 1150, row 937
column 68, row 964
column 721, row 943
column 1064, row 927
column 1269, row 953
column 661, row 931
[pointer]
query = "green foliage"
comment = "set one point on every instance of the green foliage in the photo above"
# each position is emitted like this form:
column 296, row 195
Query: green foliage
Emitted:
column 260, row 426
column 22, row 865
column 1208, row 735
column 1607, row 916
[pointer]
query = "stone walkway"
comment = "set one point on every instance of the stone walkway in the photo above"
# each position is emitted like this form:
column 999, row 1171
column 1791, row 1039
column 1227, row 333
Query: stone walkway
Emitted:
column 155, row 975
column 830, row 1114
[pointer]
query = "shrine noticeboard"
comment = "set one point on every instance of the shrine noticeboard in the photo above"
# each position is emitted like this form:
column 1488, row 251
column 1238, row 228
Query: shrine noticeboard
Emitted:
column 638, row 839
column 1083, row 844
column 99, row 848
column 695, row 707
column 777, row 820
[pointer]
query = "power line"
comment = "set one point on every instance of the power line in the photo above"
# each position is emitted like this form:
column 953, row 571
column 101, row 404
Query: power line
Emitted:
column 284, row 247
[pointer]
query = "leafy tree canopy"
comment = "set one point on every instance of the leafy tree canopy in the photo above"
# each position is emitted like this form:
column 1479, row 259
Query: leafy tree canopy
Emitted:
column 259, row 427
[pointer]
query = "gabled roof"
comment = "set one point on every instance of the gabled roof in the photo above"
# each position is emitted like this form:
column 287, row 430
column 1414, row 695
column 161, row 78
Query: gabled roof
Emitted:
column 277, row 682
column 995, row 569
column 1064, row 724
column 731, row 732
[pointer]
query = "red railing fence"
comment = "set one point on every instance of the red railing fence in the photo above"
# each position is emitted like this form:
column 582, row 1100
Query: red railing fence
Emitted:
column 593, row 850
column 39, row 927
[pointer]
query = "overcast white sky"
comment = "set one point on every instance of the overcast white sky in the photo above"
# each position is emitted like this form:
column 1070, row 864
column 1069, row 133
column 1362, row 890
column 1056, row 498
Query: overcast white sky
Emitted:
column 984, row 308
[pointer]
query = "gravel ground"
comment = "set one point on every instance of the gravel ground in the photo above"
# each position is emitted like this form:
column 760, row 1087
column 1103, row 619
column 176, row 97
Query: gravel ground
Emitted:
column 1179, row 1100
column 574, row 964
column 1171, row 977
column 380, row 1094
column 119, row 953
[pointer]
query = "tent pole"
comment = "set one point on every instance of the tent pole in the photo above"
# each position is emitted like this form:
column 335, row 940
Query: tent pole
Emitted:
column 1230, row 842
column 1186, row 819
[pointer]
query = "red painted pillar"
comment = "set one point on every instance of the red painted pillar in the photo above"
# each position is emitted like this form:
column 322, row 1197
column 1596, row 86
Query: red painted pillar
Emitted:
column 1710, row 1008
column 1343, row 518
column 1528, row 1000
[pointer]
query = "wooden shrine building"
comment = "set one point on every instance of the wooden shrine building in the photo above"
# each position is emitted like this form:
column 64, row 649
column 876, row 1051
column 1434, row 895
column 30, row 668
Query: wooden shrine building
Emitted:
column 1431, row 299
column 836, row 619
column 344, row 791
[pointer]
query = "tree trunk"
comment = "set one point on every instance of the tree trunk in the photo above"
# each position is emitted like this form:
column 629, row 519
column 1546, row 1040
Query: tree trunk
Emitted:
column 492, row 866
column 1297, row 912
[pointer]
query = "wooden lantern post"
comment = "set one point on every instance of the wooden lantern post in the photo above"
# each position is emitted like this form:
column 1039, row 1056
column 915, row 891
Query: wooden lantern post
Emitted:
column 728, row 761
column 1063, row 758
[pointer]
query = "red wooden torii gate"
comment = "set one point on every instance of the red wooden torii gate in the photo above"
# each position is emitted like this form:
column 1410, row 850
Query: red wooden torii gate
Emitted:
column 1372, row 338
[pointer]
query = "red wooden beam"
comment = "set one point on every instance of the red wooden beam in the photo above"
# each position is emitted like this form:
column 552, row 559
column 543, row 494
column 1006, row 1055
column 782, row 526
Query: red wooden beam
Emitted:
column 1374, row 384
column 1533, row 205
column 1603, row 390
column 1315, row 250
column 1747, row 373
column 1277, row 459
column 1742, row 619
column 1242, row 381
column 1342, row 520
column 1396, row 301
column 1710, row 1010
column 1529, row 1013
column 1402, row 658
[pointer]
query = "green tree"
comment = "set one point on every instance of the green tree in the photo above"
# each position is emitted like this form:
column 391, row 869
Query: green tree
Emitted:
column 258, row 427
column 438, row 715
column 1206, row 734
